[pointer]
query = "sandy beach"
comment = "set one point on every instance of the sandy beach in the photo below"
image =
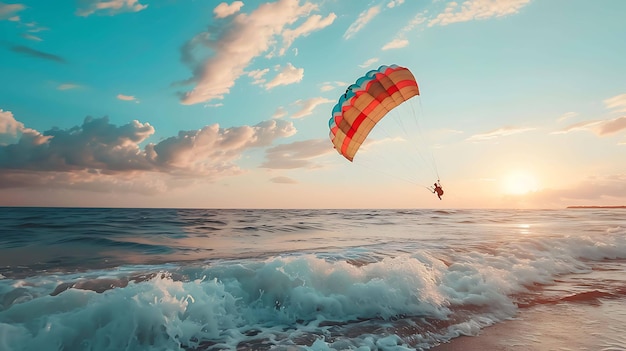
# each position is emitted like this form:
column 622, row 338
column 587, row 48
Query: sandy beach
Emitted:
column 564, row 326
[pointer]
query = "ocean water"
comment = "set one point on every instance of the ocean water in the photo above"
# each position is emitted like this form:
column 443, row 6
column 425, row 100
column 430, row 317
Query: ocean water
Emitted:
column 190, row 279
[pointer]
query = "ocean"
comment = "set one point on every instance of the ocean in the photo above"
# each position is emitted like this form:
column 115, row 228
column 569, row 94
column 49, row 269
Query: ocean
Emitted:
column 193, row 279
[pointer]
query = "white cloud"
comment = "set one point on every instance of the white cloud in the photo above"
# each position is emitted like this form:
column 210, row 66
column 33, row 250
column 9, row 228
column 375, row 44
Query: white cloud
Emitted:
column 328, row 86
column 208, row 150
column 110, row 7
column 257, row 75
column 247, row 37
column 87, row 156
column 8, row 11
column 297, row 154
column 393, row 3
column 400, row 40
column 33, row 27
column 9, row 127
column 280, row 112
column 283, row 180
column 313, row 23
column 604, row 189
column 31, row 37
column 599, row 127
column 477, row 10
column 361, row 21
column 224, row 10
column 68, row 86
column 616, row 103
column 395, row 44
column 307, row 106
column 497, row 133
column 567, row 115
column 584, row 125
column 369, row 62
column 612, row 126
column 126, row 97
column 286, row 75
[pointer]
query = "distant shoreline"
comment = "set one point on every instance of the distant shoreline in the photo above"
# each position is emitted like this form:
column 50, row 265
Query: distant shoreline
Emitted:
column 596, row 206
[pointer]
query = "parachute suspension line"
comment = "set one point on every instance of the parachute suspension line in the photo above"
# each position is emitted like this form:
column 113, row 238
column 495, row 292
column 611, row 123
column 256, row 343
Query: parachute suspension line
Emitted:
column 376, row 160
column 405, row 162
column 415, row 144
column 391, row 86
column 409, row 161
column 433, row 162
column 379, row 170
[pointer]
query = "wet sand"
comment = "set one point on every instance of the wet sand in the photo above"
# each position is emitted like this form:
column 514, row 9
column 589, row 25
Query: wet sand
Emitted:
column 562, row 327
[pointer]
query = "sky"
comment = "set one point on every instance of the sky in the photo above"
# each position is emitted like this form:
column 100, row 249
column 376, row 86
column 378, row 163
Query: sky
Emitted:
column 208, row 104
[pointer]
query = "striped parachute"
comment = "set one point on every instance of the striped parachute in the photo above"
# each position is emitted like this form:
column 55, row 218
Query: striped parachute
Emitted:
column 365, row 103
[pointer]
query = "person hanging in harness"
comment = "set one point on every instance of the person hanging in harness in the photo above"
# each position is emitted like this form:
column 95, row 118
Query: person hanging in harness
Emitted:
column 438, row 189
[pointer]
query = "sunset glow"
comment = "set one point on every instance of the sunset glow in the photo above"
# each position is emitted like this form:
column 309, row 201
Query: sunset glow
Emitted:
column 227, row 104
column 520, row 182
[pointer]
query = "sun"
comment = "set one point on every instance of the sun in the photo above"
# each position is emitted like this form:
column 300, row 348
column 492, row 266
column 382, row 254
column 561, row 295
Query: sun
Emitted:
column 520, row 182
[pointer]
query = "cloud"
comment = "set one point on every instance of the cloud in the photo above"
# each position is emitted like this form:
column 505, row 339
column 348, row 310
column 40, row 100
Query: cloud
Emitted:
column 328, row 86
column 611, row 126
column 8, row 124
column 212, row 150
column 36, row 53
column 91, row 181
column 369, row 62
column 395, row 44
column 257, row 75
column 31, row 37
column 233, row 46
column 567, row 115
column 67, row 86
column 286, row 75
column 307, row 106
column 477, row 10
column 35, row 28
column 98, row 149
column 497, row 133
column 393, row 3
column 224, row 10
column 361, row 21
column 603, row 189
column 297, row 154
column 10, row 128
column 599, row 127
column 8, row 11
column 280, row 112
column 313, row 23
column 126, row 97
column 110, row 7
column 400, row 40
column 616, row 103
column 283, row 180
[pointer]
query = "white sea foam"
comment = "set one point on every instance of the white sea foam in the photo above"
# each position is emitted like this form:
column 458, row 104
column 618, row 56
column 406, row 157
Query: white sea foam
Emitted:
column 397, row 301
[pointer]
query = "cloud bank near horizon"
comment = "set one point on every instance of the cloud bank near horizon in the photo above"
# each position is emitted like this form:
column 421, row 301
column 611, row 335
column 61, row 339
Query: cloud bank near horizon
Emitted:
column 98, row 152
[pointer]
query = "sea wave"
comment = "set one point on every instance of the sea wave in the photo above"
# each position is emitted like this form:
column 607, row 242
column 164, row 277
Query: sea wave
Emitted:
column 355, row 298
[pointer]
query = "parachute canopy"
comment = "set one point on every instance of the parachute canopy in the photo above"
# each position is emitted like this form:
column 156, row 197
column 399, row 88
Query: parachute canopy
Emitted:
column 365, row 103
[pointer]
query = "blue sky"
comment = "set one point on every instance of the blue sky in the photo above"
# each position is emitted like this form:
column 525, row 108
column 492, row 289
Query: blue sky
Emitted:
column 197, row 103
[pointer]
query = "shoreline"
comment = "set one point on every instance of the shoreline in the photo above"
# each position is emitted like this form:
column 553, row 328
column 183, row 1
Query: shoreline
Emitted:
column 594, row 207
column 552, row 327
